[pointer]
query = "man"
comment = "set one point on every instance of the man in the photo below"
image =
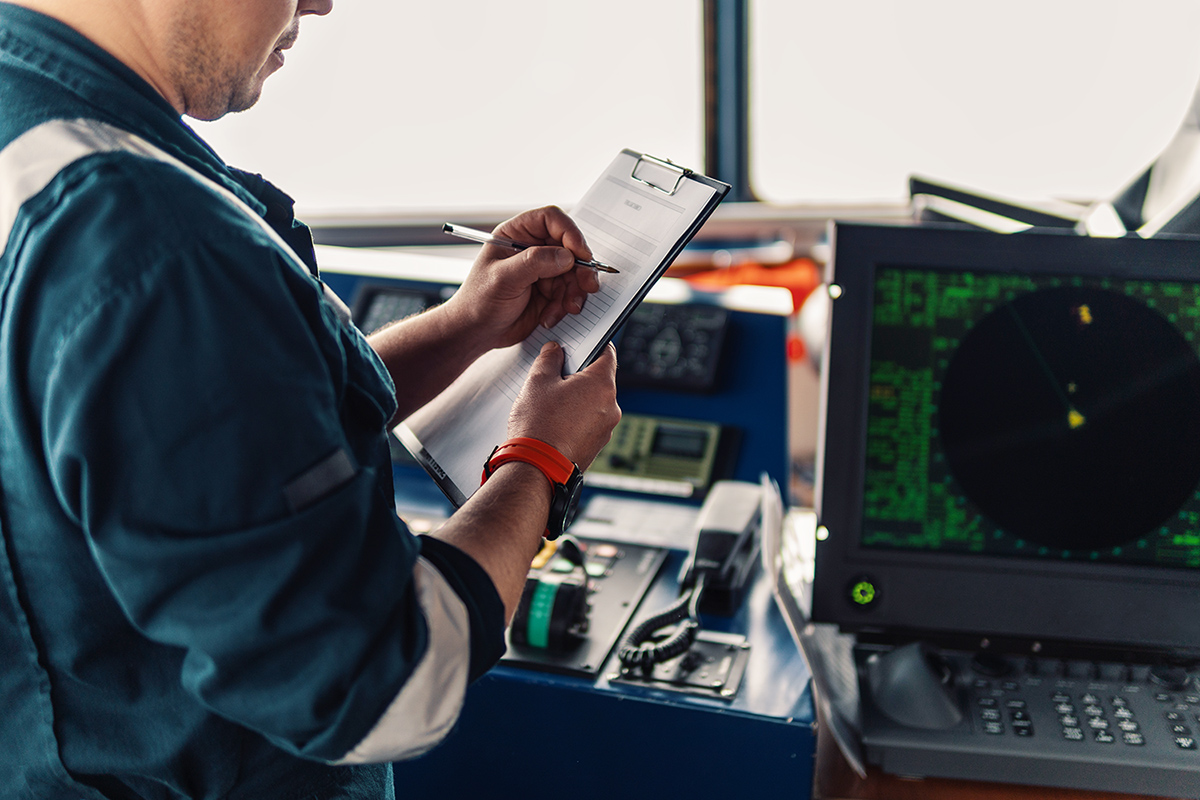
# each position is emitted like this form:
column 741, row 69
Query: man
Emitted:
column 204, row 589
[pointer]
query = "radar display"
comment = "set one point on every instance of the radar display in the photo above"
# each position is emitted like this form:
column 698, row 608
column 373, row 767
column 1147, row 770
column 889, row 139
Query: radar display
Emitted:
column 1034, row 416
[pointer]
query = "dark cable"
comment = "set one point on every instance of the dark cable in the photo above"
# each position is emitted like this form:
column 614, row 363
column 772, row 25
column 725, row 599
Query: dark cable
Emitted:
column 638, row 652
column 569, row 549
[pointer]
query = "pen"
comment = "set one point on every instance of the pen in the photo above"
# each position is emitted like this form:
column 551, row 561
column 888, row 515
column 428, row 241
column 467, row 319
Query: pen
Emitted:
column 463, row 232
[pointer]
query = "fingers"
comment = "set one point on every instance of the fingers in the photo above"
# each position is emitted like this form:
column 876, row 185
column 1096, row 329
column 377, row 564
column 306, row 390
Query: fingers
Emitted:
column 560, row 294
column 565, row 296
column 550, row 226
column 589, row 280
column 605, row 363
column 547, row 225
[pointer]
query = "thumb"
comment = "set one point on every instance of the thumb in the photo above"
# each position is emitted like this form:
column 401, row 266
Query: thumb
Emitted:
column 549, row 363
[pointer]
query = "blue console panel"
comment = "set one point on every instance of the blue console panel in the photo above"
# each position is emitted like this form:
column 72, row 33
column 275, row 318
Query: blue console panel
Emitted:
column 531, row 734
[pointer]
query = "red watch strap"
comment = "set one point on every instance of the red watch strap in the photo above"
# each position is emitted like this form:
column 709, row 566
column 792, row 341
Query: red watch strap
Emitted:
column 554, row 465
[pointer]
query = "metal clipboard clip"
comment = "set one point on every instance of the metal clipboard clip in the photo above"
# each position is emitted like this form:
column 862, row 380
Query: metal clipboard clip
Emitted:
column 658, row 173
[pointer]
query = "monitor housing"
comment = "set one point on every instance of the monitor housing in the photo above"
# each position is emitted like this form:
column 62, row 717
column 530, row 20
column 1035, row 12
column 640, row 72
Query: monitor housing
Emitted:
column 1010, row 442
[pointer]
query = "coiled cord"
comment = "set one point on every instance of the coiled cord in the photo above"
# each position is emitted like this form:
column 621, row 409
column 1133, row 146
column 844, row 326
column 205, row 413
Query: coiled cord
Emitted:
column 638, row 652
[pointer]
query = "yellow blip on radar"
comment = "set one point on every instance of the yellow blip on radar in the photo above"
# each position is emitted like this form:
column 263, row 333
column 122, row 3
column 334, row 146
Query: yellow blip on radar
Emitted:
column 1085, row 314
column 1075, row 419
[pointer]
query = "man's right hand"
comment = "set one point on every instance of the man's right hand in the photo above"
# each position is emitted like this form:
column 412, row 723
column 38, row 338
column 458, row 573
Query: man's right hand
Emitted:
column 575, row 414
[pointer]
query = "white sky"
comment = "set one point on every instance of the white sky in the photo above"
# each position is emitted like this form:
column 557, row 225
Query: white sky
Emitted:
column 389, row 105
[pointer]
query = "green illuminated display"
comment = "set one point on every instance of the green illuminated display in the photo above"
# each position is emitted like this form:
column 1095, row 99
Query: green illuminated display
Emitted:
column 1034, row 416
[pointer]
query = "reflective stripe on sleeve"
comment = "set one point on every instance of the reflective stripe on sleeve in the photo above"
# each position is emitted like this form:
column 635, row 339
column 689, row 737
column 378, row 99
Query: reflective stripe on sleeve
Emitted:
column 430, row 700
column 32, row 160
column 335, row 302
column 330, row 473
column 29, row 162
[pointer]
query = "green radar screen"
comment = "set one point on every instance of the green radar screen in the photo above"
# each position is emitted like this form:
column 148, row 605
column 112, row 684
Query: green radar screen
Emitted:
column 1071, row 417
column 1035, row 416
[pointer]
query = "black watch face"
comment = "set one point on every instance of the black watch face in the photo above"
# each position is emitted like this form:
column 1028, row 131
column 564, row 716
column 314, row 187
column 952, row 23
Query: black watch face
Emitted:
column 566, row 503
column 575, row 489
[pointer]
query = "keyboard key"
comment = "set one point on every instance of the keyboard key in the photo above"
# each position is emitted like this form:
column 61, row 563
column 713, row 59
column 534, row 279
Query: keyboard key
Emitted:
column 1119, row 702
column 1185, row 742
column 1069, row 721
column 1093, row 711
column 1128, row 725
column 994, row 728
column 1023, row 730
column 1113, row 672
column 1123, row 713
column 1073, row 734
column 1081, row 669
column 1104, row 737
column 1181, row 730
column 1098, row 724
column 1135, row 739
column 990, row 715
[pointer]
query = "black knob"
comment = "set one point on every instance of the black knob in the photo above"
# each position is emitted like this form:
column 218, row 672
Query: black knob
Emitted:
column 991, row 665
column 1170, row 677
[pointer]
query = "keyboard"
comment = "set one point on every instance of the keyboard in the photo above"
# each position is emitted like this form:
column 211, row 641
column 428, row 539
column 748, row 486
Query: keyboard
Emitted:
column 1080, row 724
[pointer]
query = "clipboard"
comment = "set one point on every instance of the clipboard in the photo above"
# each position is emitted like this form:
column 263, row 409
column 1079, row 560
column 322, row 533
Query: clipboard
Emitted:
column 638, row 216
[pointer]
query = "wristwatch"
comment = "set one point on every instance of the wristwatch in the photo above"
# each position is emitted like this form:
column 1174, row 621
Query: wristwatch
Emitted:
column 563, row 474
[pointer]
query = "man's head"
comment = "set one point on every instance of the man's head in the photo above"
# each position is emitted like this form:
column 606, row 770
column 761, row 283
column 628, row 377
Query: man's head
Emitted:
column 219, row 52
column 206, row 57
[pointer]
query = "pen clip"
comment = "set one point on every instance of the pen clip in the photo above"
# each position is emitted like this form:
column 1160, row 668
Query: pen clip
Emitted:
column 658, row 172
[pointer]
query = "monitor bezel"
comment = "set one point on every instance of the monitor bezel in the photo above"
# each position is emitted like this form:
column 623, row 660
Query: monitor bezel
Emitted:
column 954, row 595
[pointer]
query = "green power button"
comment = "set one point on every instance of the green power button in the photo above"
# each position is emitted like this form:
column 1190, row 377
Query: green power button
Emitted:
column 863, row 593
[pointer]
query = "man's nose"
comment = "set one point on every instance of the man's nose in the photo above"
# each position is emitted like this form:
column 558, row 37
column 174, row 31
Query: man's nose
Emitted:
column 317, row 7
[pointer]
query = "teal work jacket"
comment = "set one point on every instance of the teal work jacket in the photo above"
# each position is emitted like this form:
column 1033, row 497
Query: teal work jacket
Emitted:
column 205, row 591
